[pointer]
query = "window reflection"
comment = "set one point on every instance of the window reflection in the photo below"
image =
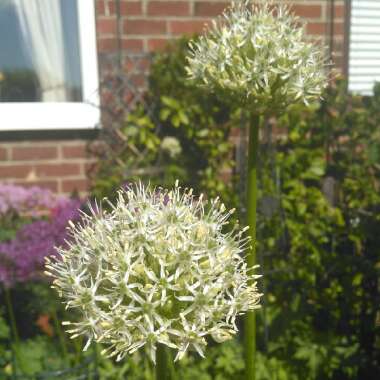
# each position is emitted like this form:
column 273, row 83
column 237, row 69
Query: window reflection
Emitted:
column 39, row 51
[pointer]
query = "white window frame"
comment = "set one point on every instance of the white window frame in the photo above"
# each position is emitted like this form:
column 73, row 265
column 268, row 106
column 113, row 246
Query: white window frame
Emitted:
column 20, row 116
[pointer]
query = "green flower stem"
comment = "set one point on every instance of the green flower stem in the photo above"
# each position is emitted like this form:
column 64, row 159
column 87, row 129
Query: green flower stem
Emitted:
column 78, row 344
column 11, row 314
column 61, row 337
column 250, row 319
column 15, row 334
column 164, row 364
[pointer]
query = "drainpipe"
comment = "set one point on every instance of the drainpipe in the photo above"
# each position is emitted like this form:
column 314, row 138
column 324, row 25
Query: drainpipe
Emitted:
column 119, row 32
column 347, row 34
column 331, row 29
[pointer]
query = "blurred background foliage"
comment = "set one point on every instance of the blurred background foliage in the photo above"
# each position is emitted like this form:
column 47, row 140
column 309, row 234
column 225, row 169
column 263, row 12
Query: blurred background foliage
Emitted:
column 319, row 226
column 178, row 132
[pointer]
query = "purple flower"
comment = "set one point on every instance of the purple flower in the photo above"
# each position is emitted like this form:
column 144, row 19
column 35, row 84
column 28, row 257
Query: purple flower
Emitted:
column 23, row 200
column 22, row 258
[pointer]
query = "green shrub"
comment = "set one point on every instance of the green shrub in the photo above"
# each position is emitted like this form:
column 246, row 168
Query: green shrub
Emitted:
column 200, row 123
column 320, row 247
column 318, row 225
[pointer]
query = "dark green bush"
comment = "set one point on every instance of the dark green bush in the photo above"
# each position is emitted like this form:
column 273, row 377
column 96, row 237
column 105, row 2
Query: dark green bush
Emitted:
column 320, row 247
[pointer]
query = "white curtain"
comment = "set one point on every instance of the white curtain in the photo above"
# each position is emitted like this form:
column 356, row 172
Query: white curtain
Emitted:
column 41, row 25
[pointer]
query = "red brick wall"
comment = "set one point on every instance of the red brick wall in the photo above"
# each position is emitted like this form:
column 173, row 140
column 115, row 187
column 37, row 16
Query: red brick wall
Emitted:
column 148, row 25
column 56, row 165
column 140, row 26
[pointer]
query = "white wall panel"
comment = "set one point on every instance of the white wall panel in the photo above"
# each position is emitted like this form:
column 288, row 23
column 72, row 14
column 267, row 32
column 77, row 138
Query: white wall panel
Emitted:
column 364, row 61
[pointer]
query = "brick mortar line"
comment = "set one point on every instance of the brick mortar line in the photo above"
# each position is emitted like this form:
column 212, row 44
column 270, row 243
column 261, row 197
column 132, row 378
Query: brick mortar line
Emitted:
column 60, row 152
column 205, row 19
column 59, row 186
column 62, row 178
column 166, row 18
column 82, row 194
column 44, row 179
column 45, row 144
column 170, row 36
column 144, row 6
column 192, row 7
column 190, row 17
column 35, row 160
column 152, row 36
column 325, row 10
column 82, row 169
column 145, row 43
column 226, row 1
column 51, row 162
column 196, row 17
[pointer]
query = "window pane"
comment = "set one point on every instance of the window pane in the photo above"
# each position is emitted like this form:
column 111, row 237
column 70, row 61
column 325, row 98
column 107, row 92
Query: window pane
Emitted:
column 39, row 51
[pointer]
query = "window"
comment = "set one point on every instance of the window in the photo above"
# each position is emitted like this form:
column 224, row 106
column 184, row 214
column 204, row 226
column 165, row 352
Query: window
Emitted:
column 364, row 62
column 48, row 65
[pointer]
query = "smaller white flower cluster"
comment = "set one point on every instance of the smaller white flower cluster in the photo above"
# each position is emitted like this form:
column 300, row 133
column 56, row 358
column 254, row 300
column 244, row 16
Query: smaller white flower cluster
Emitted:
column 157, row 268
column 171, row 146
column 260, row 55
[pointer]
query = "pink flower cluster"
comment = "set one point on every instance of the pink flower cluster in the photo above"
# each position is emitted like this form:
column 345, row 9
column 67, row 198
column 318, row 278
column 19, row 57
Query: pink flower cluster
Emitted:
column 22, row 200
column 22, row 258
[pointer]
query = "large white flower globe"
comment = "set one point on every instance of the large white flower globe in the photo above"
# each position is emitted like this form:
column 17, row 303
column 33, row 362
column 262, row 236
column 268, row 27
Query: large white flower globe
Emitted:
column 159, row 268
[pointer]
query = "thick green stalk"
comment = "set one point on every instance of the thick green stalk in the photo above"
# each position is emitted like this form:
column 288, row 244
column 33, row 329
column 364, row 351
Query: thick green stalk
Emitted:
column 164, row 364
column 250, row 319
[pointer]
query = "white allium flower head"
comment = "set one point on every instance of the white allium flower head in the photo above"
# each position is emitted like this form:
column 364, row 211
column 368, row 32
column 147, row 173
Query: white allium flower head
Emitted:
column 160, row 267
column 259, row 54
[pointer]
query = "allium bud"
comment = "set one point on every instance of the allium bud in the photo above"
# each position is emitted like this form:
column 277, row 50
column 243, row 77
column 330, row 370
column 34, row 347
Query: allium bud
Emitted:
column 260, row 55
column 160, row 267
